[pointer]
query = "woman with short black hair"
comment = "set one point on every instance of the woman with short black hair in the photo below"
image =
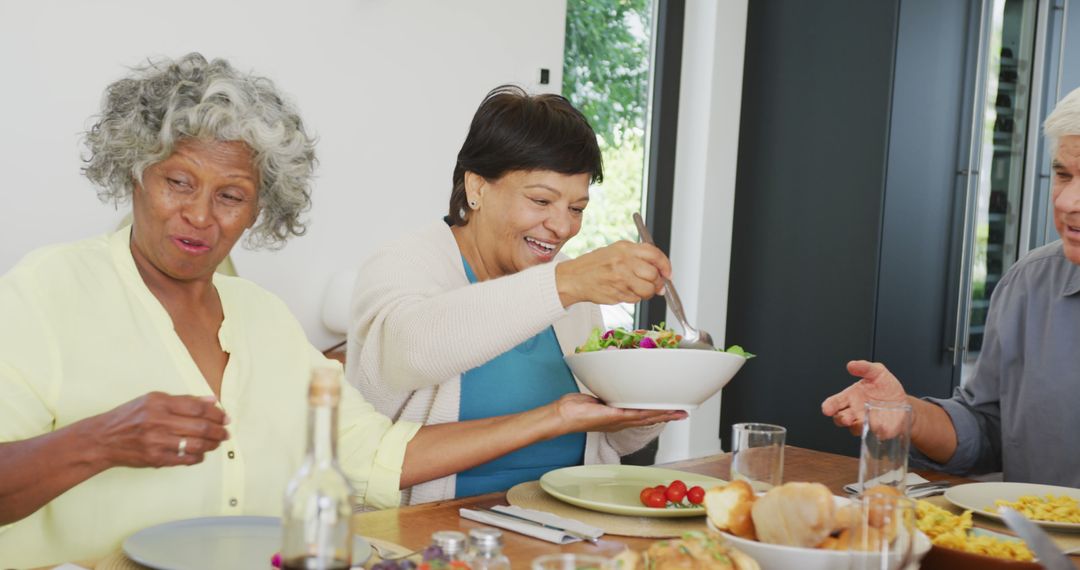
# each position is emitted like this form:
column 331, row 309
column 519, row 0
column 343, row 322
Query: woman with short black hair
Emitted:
column 470, row 317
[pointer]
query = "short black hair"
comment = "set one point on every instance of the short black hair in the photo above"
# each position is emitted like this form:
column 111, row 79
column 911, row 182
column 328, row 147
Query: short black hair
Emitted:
column 513, row 130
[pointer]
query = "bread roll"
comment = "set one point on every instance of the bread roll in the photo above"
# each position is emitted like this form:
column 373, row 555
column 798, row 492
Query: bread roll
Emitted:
column 728, row 507
column 794, row 514
column 844, row 516
column 881, row 504
column 853, row 540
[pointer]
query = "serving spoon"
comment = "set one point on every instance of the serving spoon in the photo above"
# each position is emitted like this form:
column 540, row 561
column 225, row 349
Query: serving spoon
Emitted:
column 692, row 337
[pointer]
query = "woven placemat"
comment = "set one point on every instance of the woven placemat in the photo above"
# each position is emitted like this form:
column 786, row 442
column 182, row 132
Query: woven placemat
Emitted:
column 1064, row 540
column 117, row 560
column 531, row 496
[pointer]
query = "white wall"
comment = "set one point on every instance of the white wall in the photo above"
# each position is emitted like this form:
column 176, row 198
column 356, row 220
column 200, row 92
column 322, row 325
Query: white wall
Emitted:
column 706, row 155
column 389, row 87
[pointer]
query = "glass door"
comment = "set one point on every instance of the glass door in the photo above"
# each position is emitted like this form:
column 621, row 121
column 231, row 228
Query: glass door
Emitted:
column 1001, row 139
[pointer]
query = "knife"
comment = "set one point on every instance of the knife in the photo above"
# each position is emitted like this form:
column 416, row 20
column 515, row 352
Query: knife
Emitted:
column 1049, row 555
column 572, row 533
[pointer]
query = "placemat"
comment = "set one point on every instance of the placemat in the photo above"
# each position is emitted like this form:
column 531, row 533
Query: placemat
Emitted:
column 531, row 496
column 117, row 560
column 1064, row 540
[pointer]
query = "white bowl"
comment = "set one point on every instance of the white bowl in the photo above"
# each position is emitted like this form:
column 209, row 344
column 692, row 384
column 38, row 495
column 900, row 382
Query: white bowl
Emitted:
column 655, row 378
column 779, row 557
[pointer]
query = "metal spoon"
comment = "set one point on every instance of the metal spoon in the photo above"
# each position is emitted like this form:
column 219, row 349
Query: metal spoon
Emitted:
column 692, row 337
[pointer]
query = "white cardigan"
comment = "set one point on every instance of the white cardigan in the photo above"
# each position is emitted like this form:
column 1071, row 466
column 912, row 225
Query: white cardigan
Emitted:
column 417, row 324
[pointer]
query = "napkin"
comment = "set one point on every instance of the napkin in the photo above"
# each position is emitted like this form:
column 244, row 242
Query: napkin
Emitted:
column 522, row 527
column 911, row 479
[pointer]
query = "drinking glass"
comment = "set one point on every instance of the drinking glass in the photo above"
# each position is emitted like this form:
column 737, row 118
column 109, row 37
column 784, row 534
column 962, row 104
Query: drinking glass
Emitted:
column 881, row 533
column 886, row 438
column 757, row 454
column 570, row 561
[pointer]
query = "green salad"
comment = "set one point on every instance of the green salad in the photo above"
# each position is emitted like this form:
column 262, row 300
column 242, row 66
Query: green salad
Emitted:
column 659, row 337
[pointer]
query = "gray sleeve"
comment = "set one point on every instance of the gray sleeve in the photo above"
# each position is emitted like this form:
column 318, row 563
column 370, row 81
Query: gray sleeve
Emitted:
column 978, row 438
column 975, row 407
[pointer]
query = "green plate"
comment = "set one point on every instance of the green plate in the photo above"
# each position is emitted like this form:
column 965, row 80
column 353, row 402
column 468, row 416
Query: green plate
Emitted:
column 616, row 489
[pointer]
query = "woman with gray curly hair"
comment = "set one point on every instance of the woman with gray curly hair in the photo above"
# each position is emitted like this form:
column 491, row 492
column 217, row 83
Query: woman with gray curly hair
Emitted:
column 127, row 351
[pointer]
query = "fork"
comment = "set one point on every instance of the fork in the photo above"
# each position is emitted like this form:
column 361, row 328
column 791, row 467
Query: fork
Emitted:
column 692, row 337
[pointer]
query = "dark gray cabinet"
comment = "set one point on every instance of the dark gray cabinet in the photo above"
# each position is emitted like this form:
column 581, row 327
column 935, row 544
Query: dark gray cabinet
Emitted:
column 853, row 173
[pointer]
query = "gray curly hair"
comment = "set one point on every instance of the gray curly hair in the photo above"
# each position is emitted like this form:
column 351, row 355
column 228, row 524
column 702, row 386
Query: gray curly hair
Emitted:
column 1064, row 120
column 144, row 116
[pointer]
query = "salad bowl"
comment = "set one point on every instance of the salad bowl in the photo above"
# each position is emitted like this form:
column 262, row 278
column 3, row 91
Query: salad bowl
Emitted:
column 656, row 379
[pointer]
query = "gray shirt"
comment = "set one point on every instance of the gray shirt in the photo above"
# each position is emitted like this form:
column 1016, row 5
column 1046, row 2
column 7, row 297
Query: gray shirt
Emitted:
column 1020, row 411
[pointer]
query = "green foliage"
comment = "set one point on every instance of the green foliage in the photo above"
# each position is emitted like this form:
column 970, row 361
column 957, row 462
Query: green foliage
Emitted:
column 608, row 218
column 606, row 64
column 606, row 76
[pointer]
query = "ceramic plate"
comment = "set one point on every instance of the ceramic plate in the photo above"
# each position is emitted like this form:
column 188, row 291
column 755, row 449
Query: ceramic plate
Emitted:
column 233, row 543
column 980, row 497
column 616, row 488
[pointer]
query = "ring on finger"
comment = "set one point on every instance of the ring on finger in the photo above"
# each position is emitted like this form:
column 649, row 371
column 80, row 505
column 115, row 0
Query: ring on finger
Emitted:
column 181, row 447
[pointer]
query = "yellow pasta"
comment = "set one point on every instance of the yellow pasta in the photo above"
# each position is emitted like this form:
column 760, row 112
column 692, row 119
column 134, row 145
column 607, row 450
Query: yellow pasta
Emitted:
column 952, row 531
column 1050, row 508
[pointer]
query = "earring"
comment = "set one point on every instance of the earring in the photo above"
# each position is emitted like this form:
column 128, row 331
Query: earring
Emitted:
column 472, row 204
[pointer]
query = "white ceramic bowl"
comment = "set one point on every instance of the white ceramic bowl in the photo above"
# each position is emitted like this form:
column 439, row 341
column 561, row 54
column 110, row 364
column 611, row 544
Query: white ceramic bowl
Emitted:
column 655, row 378
column 778, row 557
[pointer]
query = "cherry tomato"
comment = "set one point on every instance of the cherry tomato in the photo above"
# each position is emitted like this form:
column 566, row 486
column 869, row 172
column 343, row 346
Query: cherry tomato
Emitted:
column 661, row 488
column 696, row 495
column 656, row 500
column 677, row 484
column 675, row 493
column 644, row 495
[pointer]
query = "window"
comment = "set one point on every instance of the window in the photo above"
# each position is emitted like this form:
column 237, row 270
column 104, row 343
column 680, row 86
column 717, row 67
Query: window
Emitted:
column 610, row 75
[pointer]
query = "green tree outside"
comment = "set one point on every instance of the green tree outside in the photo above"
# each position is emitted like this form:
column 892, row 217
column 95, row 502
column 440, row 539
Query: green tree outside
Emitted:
column 606, row 76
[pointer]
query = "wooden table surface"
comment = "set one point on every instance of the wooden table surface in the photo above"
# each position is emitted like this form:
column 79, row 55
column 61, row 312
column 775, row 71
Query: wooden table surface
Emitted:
column 412, row 526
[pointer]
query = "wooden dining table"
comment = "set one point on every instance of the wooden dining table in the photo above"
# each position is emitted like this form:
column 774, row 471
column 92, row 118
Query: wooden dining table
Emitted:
column 412, row 527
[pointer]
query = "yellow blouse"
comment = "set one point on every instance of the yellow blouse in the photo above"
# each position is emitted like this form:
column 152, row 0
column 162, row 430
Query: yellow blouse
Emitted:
column 80, row 334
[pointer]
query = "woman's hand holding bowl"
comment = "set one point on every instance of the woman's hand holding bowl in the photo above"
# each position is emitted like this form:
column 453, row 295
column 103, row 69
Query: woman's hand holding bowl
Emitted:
column 584, row 413
column 622, row 272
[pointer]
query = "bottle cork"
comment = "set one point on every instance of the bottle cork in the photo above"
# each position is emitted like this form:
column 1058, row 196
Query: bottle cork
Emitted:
column 325, row 388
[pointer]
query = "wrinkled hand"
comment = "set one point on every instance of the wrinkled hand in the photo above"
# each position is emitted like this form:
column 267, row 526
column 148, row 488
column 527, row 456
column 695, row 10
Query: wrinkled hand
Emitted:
column 146, row 431
column 584, row 413
column 622, row 272
column 848, row 408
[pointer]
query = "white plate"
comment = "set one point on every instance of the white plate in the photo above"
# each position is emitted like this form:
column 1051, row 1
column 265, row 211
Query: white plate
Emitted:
column 213, row 543
column 980, row 497
column 779, row 557
column 616, row 489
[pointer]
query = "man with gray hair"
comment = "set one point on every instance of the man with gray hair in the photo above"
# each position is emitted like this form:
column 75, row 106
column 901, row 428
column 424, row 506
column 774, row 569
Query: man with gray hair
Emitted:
column 1017, row 413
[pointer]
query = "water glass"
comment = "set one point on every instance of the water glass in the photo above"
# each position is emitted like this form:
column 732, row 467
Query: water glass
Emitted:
column 757, row 454
column 570, row 561
column 886, row 439
column 881, row 533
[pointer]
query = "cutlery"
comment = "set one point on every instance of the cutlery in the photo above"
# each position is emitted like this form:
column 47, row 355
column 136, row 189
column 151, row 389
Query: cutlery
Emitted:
column 387, row 554
column 1048, row 554
column 572, row 533
column 853, row 488
column 692, row 337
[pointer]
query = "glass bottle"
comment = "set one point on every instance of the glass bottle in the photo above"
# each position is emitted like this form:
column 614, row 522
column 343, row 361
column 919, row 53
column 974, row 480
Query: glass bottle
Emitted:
column 452, row 544
column 319, row 499
column 485, row 550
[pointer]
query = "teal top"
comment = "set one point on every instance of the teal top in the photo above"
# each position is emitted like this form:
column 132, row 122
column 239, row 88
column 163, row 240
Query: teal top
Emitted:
column 527, row 376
